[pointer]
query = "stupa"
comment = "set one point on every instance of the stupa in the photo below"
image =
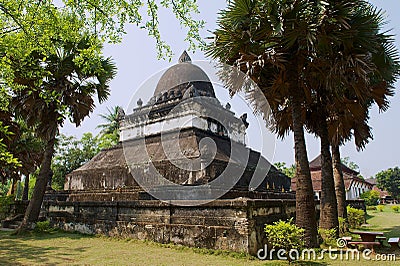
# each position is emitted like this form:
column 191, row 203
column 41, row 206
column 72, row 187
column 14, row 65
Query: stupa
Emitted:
column 173, row 149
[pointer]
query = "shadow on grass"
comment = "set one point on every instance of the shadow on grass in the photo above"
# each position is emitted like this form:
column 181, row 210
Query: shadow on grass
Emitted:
column 14, row 248
column 368, row 216
column 392, row 231
column 307, row 263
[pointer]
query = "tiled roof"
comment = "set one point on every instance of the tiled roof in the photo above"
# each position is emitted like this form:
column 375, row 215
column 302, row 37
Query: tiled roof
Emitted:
column 349, row 177
column 316, row 165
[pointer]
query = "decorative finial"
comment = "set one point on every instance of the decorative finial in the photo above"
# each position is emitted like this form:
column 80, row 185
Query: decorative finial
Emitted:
column 120, row 114
column 243, row 117
column 185, row 58
column 139, row 102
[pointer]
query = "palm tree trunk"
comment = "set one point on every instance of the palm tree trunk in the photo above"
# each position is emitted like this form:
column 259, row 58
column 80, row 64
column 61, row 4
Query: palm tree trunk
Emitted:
column 33, row 210
column 329, row 212
column 339, row 182
column 26, row 188
column 305, row 205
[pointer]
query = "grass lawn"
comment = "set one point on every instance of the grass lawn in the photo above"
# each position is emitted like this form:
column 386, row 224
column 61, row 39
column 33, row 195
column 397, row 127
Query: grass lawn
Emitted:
column 61, row 248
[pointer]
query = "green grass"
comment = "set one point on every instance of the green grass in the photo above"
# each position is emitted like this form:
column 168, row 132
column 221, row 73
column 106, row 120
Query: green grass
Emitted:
column 387, row 221
column 60, row 248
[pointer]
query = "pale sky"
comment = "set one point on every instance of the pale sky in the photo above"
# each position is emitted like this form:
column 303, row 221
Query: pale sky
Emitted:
column 136, row 59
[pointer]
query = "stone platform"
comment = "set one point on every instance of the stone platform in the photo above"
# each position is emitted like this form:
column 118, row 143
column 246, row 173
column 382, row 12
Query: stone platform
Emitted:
column 228, row 224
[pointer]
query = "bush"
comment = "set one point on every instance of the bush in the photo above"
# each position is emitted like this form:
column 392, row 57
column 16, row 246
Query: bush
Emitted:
column 343, row 226
column 328, row 236
column 5, row 204
column 355, row 217
column 371, row 197
column 380, row 208
column 43, row 227
column 371, row 208
column 395, row 208
column 285, row 235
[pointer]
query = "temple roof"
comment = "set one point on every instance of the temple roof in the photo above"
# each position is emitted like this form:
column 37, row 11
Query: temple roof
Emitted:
column 316, row 165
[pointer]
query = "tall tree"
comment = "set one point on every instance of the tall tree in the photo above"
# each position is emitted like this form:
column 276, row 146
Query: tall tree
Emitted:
column 357, row 77
column 340, row 189
column 389, row 180
column 333, row 56
column 270, row 41
column 52, row 83
column 70, row 154
column 111, row 118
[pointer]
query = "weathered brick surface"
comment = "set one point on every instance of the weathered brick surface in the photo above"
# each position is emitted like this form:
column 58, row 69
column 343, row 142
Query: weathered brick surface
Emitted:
column 235, row 225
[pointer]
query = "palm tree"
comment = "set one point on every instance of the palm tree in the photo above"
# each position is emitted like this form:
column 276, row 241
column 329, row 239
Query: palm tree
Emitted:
column 304, row 57
column 361, row 70
column 112, row 121
column 270, row 41
column 63, row 87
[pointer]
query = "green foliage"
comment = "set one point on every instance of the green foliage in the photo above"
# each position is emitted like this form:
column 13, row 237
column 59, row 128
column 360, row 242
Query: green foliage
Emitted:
column 43, row 227
column 4, row 187
column 350, row 164
column 289, row 171
column 343, row 226
column 108, row 20
column 389, row 180
column 395, row 208
column 5, row 203
column 371, row 197
column 111, row 119
column 70, row 154
column 105, row 141
column 371, row 208
column 54, row 81
column 285, row 235
column 32, row 182
column 109, row 134
column 380, row 208
column 355, row 217
column 328, row 236
column 19, row 190
column 7, row 159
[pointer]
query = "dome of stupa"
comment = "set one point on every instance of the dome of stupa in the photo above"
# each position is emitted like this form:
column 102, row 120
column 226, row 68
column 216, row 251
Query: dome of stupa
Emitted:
column 182, row 76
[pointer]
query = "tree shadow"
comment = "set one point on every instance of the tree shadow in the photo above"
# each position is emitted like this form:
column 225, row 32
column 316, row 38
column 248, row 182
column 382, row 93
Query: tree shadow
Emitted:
column 309, row 263
column 368, row 216
column 15, row 248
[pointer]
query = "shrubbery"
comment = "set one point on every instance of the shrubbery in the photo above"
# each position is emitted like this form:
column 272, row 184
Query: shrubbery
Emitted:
column 285, row 235
column 395, row 208
column 371, row 197
column 5, row 204
column 343, row 226
column 380, row 208
column 355, row 217
column 43, row 227
column 328, row 236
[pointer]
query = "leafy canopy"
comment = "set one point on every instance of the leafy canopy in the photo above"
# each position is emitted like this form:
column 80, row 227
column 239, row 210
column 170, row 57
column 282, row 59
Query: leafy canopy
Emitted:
column 371, row 197
column 104, row 18
column 289, row 171
column 389, row 180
